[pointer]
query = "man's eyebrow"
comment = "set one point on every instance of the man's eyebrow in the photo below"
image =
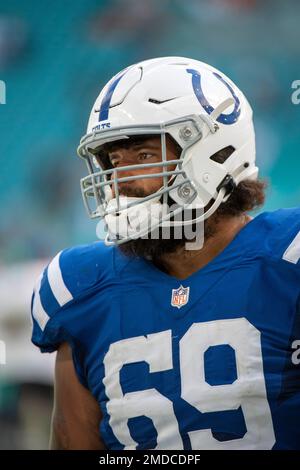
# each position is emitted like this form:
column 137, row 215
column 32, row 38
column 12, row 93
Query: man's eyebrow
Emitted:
column 147, row 144
column 136, row 145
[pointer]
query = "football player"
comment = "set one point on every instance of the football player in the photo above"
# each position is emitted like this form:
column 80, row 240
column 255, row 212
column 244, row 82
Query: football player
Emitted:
column 179, row 331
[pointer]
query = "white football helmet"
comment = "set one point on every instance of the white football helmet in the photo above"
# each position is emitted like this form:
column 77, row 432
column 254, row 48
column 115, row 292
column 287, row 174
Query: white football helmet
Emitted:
column 201, row 109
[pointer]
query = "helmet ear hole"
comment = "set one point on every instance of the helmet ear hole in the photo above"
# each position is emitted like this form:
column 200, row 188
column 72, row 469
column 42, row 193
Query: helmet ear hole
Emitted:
column 222, row 155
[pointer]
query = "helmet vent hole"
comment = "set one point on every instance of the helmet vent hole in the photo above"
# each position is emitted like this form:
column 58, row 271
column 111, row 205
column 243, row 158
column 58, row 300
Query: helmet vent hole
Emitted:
column 222, row 155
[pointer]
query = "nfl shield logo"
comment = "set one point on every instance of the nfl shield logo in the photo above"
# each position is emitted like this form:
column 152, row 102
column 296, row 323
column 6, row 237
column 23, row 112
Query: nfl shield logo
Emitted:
column 180, row 296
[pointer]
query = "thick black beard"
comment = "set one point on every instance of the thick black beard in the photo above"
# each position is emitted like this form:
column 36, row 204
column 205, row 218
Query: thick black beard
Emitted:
column 247, row 196
column 156, row 247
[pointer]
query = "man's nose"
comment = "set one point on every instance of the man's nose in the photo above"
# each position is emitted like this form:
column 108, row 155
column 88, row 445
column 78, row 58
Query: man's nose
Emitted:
column 120, row 173
column 123, row 157
column 124, row 160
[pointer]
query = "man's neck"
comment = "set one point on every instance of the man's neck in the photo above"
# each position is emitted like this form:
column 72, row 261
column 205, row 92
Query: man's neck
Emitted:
column 183, row 263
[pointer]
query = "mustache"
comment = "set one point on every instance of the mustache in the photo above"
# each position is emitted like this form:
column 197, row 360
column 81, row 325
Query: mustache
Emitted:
column 131, row 191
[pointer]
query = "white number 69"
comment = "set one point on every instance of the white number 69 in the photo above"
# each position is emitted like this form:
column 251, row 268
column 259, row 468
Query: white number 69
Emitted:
column 248, row 391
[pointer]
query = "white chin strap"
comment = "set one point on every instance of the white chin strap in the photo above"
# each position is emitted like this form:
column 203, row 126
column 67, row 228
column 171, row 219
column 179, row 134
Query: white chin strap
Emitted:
column 127, row 223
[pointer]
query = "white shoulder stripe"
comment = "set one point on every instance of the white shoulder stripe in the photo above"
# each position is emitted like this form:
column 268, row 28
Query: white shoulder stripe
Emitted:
column 38, row 311
column 292, row 253
column 56, row 282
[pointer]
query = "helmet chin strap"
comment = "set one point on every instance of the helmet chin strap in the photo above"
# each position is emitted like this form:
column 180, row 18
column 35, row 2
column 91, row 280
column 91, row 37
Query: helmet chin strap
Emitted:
column 135, row 221
column 125, row 224
column 218, row 201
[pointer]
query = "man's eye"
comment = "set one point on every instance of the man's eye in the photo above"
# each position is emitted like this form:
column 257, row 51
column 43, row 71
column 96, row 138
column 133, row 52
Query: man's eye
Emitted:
column 145, row 156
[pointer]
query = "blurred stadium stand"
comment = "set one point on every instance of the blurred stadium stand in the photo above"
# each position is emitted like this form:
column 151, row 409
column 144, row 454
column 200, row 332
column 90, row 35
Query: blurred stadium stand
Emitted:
column 54, row 59
column 26, row 378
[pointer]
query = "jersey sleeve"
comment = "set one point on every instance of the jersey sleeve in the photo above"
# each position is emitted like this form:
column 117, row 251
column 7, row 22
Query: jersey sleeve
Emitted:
column 285, row 243
column 50, row 295
column 60, row 297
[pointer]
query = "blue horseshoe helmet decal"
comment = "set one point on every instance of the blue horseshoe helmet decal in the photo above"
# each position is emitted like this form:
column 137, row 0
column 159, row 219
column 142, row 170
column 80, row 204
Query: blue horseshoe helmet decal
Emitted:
column 104, row 108
column 223, row 118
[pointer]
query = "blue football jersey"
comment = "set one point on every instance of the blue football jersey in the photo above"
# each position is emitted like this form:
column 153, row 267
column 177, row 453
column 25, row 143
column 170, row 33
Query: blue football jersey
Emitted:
column 209, row 362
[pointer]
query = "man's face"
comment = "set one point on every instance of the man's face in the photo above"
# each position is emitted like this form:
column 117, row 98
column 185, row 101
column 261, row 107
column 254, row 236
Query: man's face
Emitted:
column 142, row 151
